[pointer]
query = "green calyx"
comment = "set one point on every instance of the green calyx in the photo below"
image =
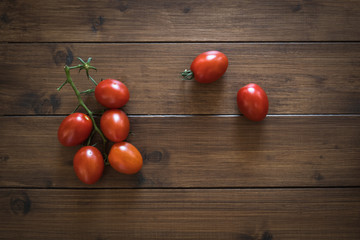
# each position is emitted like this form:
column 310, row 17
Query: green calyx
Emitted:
column 187, row 74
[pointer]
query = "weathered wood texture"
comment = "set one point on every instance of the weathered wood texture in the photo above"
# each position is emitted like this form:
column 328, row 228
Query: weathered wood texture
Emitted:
column 298, row 78
column 323, row 214
column 192, row 20
column 208, row 173
column 195, row 152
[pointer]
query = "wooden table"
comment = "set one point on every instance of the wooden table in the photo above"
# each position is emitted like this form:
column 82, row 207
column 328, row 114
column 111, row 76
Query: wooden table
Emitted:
column 208, row 172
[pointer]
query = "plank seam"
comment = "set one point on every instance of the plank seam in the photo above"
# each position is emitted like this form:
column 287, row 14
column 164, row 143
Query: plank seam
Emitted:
column 198, row 115
column 193, row 42
column 186, row 188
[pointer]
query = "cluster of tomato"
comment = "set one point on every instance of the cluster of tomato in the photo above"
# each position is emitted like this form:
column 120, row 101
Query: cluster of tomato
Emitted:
column 209, row 66
column 114, row 124
column 124, row 157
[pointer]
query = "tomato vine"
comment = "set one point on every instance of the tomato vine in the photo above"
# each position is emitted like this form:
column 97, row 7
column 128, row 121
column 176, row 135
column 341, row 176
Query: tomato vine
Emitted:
column 114, row 128
column 86, row 66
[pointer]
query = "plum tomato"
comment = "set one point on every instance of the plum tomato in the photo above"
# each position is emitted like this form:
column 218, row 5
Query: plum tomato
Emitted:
column 88, row 164
column 74, row 129
column 112, row 93
column 125, row 158
column 115, row 125
column 253, row 102
column 209, row 66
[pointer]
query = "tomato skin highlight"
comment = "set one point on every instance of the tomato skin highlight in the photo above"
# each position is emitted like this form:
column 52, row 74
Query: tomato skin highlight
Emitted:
column 88, row 164
column 253, row 102
column 74, row 129
column 115, row 125
column 125, row 158
column 209, row 66
column 112, row 93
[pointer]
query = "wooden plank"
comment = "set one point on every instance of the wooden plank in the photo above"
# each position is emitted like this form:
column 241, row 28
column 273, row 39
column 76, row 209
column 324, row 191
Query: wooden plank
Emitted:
column 195, row 152
column 299, row 78
column 323, row 214
column 186, row 20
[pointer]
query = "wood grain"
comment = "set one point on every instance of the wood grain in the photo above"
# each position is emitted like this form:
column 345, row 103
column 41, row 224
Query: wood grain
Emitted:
column 324, row 214
column 191, row 20
column 208, row 172
column 298, row 78
column 195, row 152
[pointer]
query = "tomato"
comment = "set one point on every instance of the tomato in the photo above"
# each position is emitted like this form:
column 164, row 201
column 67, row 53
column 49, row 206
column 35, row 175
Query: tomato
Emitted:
column 112, row 93
column 74, row 129
column 125, row 158
column 253, row 102
column 208, row 67
column 88, row 164
column 115, row 125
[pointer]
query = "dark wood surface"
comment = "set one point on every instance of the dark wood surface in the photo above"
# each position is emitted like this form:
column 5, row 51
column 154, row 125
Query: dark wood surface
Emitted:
column 198, row 151
column 208, row 172
column 180, row 214
column 299, row 78
column 185, row 20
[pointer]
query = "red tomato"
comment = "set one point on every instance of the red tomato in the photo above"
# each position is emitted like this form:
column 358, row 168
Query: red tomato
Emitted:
column 115, row 125
column 209, row 66
column 253, row 102
column 112, row 93
column 74, row 129
column 88, row 164
column 125, row 158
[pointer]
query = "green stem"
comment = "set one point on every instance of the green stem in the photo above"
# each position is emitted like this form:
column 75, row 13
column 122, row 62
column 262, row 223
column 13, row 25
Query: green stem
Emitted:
column 59, row 88
column 89, row 139
column 78, row 66
column 88, row 91
column 94, row 82
column 81, row 103
column 187, row 74
column 106, row 160
column 76, row 108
